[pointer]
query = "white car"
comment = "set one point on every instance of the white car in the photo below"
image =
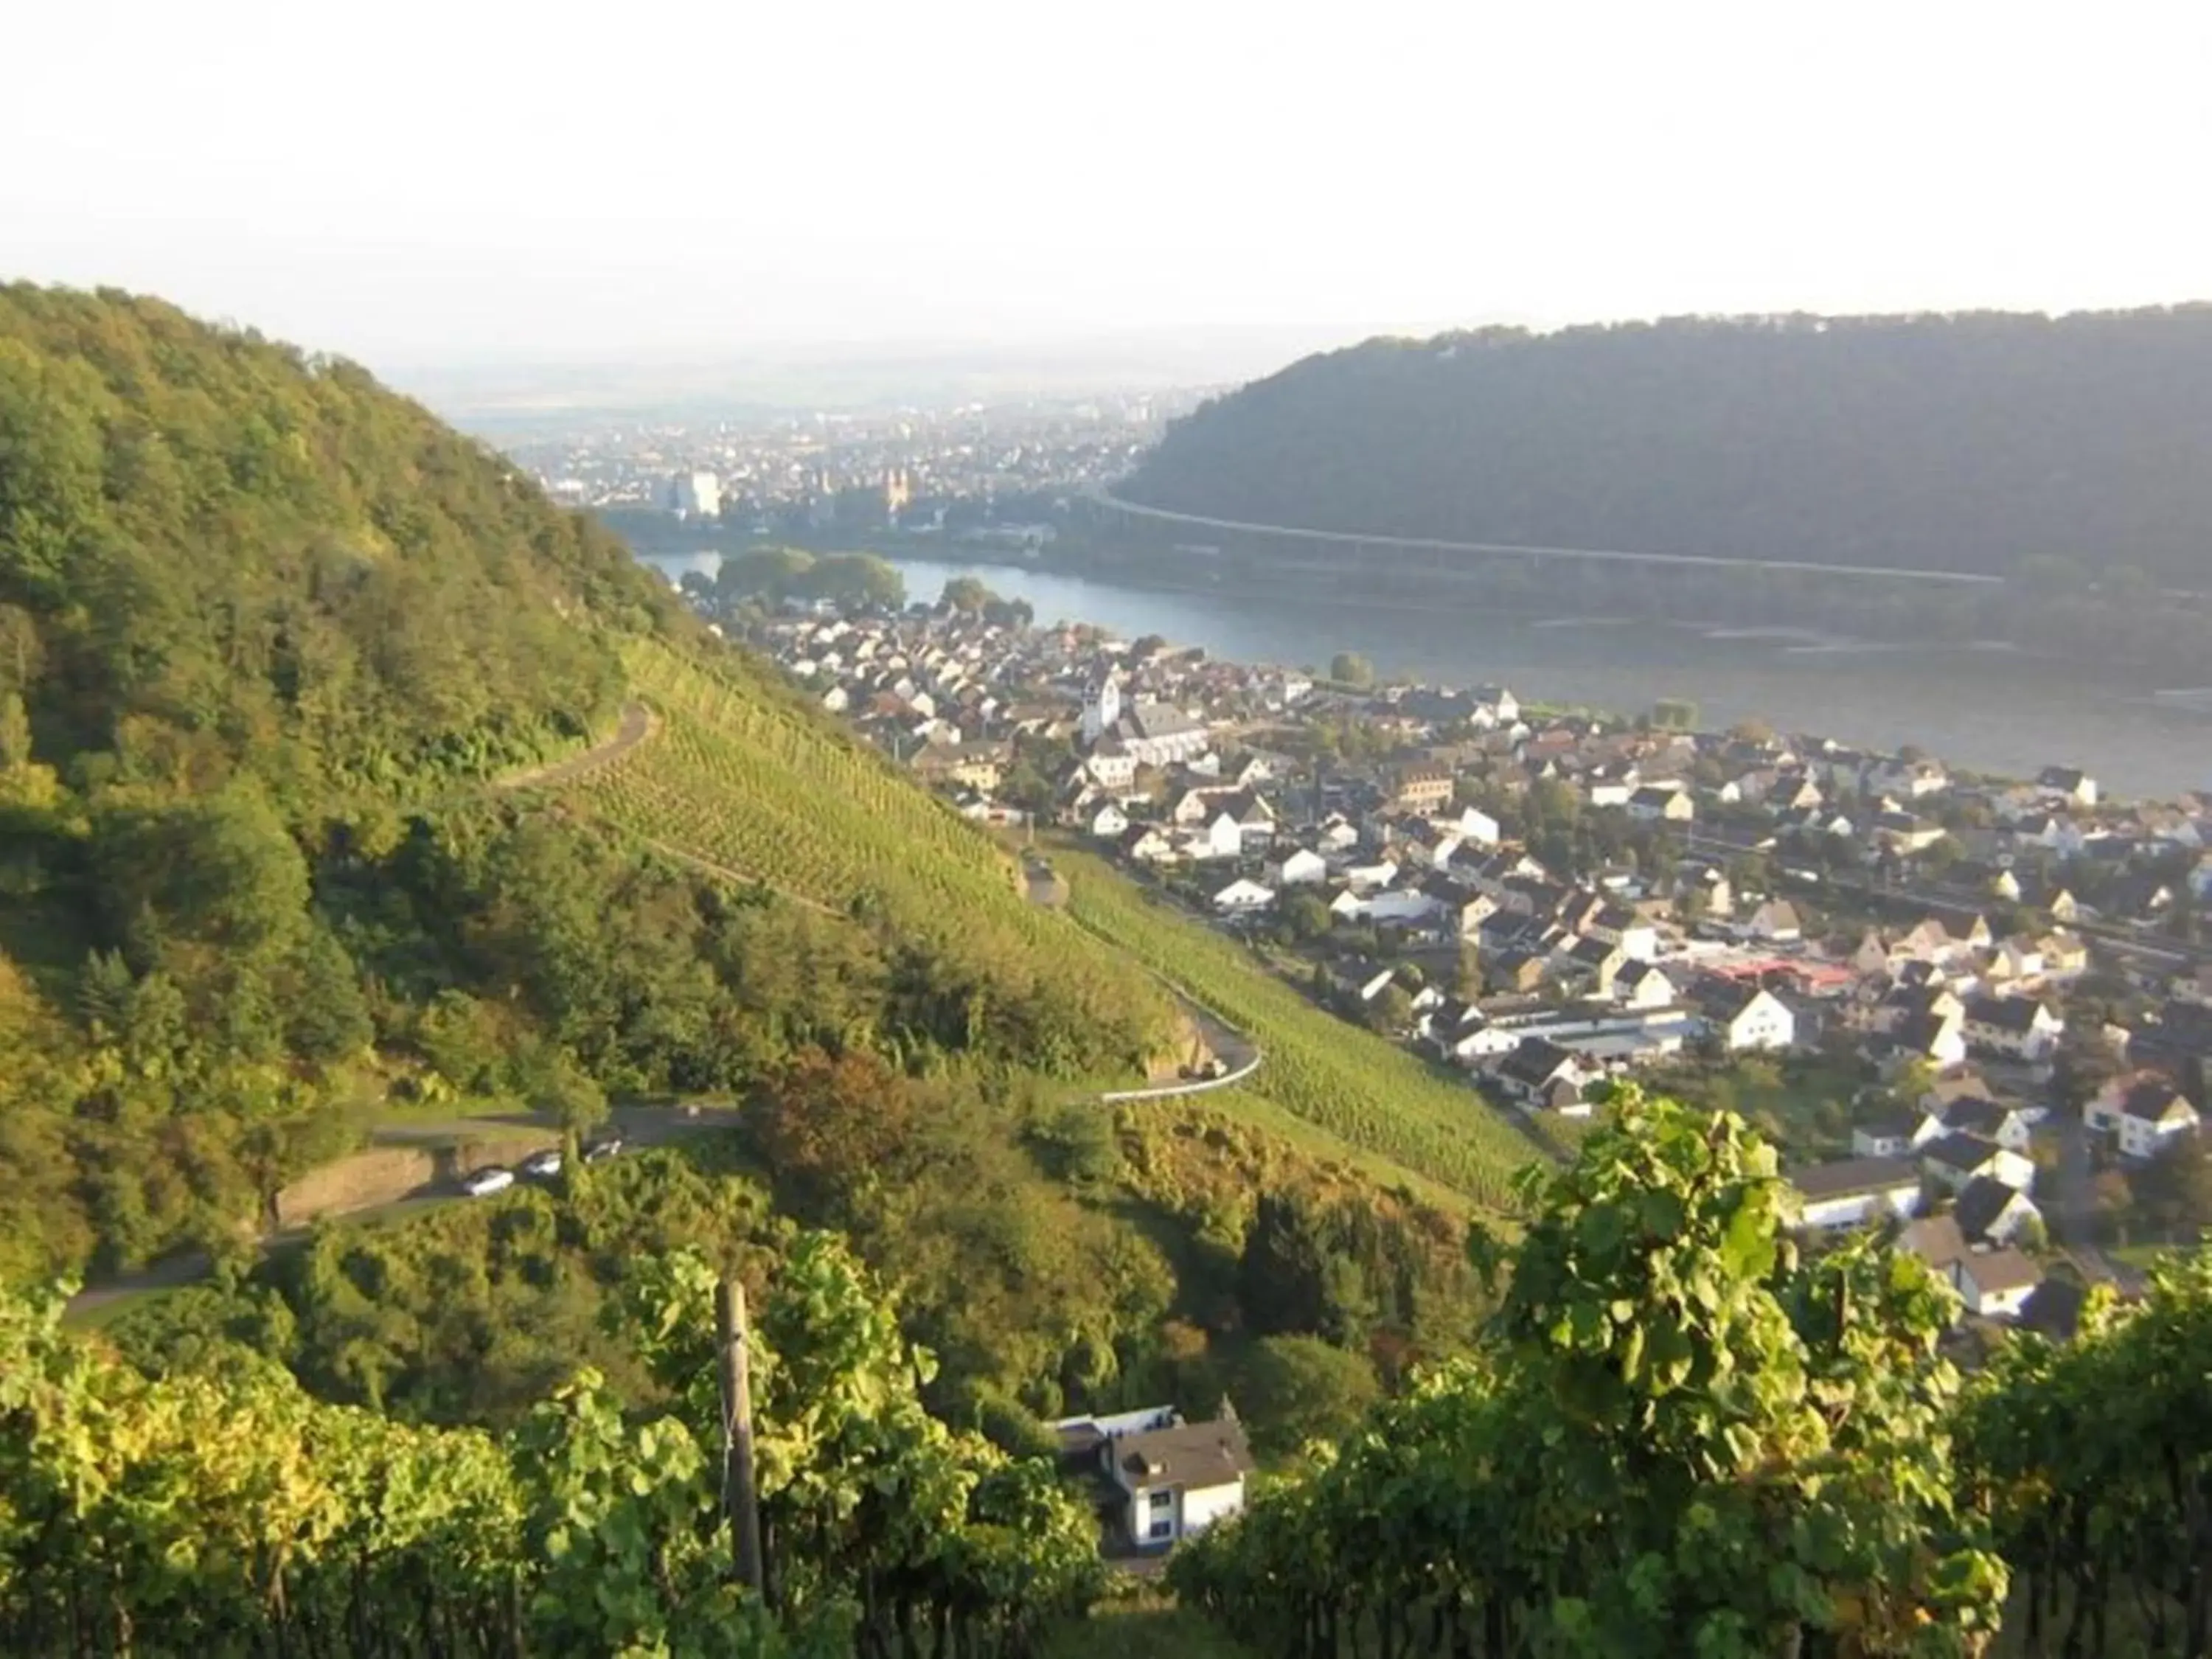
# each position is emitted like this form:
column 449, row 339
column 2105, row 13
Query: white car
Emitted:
column 542, row 1164
column 600, row 1150
column 483, row 1183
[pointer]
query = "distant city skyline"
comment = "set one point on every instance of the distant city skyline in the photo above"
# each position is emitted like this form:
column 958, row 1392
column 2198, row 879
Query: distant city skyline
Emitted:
column 492, row 184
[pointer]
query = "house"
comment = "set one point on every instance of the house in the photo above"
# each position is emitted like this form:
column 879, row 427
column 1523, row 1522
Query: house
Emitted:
column 1111, row 765
column 1974, row 1114
column 2143, row 1111
column 1494, row 705
column 1855, row 1191
column 1145, row 843
column 1936, row 1240
column 1941, row 1041
column 1300, row 867
column 1888, row 1135
column 1744, row 1016
column 1175, row 1481
column 1221, row 837
column 1242, row 896
column 1159, row 735
column 1108, row 822
column 1471, row 825
column 1955, row 1159
column 1538, row 1072
column 1656, row 804
column 1422, row 789
column 2016, row 1027
column 1994, row 1283
column 1988, row 1212
column 1642, row 985
column 2067, row 784
column 1776, row 921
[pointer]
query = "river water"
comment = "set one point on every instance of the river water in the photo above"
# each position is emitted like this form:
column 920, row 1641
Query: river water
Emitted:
column 1989, row 708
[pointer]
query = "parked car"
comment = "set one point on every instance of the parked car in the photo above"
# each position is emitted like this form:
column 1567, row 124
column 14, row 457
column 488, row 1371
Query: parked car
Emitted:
column 539, row 1165
column 483, row 1183
column 603, row 1149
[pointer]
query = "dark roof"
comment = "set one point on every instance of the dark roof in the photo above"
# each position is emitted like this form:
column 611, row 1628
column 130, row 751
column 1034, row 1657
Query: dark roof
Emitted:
column 1534, row 1061
column 2016, row 1014
column 1188, row 1455
column 2151, row 1098
column 1846, row 1176
column 1975, row 1115
column 1959, row 1151
column 1722, row 1000
column 1899, row 1124
column 1918, row 1034
column 1980, row 1204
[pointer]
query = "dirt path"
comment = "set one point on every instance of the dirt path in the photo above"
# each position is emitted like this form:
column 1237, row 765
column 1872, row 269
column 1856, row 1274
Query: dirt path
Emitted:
column 638, row 723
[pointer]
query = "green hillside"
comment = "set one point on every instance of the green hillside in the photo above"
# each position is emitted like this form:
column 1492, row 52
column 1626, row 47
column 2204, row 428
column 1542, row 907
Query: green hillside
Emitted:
column 271, row 640
column 2061, row 449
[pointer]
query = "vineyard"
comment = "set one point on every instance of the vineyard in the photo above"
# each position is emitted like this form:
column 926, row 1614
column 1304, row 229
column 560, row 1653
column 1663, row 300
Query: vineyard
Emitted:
column 1332, row 1075
column 746, row 780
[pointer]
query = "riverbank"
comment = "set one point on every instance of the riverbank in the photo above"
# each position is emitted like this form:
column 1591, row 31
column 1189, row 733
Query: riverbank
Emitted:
column 1992, row 710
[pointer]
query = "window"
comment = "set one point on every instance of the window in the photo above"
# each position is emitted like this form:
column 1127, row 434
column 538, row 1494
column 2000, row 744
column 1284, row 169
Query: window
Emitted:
column 1161, row 1500
column 1162, row 1529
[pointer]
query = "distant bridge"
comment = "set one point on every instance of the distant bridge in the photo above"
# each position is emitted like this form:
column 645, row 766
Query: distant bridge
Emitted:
column 1114, row 504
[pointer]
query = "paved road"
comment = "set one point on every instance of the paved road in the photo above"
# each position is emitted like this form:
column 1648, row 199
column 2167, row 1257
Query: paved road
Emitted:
column 1611, row 555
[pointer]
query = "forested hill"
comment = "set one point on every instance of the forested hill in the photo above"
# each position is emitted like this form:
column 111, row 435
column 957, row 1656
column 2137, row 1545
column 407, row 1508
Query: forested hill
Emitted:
column 1983, row 442
column 218, row 553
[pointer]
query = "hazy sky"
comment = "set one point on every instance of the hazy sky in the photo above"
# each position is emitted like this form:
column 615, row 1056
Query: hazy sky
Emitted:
column 415, row 182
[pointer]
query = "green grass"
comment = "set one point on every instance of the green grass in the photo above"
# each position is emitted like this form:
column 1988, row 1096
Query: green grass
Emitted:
column 1321, row 1070
column 1793, row 1101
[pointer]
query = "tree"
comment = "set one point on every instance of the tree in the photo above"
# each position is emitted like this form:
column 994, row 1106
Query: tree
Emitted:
column 1680, row 1438
column 966, row 593
column 1303, row 917
column 1294, row 1389
column 1350, row 668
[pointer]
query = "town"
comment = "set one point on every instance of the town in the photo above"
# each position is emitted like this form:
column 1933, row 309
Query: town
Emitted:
column 1972, row 1006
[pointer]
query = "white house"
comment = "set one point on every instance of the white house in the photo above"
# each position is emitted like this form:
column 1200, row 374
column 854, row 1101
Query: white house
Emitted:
column 1112, row 765
column 1642, row 985
column 1656, row 804
column 1994, row 1283
column 1241, row 897
column 1856, row 1191
column 1776, row 921
column 1301, row 867
column 1174, row 1479
column 1109, row 822
column 1957, row 1159
column 1223, row 837
column 1989, row 1211
column 2067, row 784
column 1745, row 1016
column 1471, row 824
column 2144, row 1111
column 2022, row 1028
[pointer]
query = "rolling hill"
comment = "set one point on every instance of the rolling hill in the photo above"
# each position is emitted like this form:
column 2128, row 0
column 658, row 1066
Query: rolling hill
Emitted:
column 1988, row 443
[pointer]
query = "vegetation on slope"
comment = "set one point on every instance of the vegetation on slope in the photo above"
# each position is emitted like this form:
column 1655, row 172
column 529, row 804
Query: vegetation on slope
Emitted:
column 1679, row 1433
column 2008, row 445
column 1358, row 1087
column 267, row 633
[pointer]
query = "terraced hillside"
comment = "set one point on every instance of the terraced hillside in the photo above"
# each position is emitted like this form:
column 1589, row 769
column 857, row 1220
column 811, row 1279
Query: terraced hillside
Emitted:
column 744, row 779
column 1347, row 1082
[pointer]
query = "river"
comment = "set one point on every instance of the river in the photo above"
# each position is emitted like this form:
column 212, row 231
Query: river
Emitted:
column 1989, row 708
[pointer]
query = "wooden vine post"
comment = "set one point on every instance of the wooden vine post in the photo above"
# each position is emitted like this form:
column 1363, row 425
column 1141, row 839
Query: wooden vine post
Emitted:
column 740, row 1498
